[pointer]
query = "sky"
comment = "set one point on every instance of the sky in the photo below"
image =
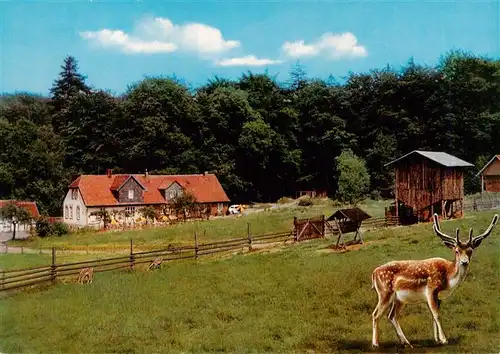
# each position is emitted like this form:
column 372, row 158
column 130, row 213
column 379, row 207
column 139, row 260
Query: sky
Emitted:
column 117, row 43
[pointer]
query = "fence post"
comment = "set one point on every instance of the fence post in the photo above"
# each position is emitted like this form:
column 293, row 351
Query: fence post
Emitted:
column 53, row 274
column 131, row 255
column 323, row 225
column 295, row 233
column 249, row 235
column 195, row 245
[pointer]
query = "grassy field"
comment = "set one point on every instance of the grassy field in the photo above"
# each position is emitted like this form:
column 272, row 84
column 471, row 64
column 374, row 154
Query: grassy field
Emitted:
column 17, row 260
column 302, row 298
column 274, row 220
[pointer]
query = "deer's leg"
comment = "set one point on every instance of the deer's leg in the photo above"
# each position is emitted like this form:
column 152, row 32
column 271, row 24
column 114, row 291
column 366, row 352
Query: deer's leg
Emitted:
column 397, row 306
column 433, row 303
column 434, row 325
column 384, row 300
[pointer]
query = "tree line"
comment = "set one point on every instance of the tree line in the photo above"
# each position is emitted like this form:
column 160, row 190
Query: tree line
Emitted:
column 263, row 138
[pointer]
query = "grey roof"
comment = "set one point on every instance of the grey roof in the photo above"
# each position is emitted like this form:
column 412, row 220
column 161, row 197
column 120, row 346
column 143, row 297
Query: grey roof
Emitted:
column 441, row 158
column 489, row 163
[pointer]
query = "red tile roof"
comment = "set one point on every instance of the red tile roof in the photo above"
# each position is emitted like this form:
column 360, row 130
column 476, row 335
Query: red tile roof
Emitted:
column 96, row 190
column 29, row 206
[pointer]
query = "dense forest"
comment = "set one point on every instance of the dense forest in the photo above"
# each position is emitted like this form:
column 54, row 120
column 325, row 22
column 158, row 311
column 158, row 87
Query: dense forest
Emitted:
column 264, row 139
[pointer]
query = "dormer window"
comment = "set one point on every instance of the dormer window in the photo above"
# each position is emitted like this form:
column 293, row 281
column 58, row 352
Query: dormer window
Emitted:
column 131, row 194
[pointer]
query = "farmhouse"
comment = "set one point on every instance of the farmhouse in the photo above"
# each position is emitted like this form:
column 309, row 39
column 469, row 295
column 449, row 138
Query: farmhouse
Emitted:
column 490, row 175
column 125, row 194
column 427, row 182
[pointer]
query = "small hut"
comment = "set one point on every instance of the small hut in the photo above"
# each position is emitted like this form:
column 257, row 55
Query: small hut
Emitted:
column 348, row 220
column 428, row 182
column 490, row 175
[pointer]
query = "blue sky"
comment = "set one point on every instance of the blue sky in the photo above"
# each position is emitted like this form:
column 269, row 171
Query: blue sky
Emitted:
column 119, row 42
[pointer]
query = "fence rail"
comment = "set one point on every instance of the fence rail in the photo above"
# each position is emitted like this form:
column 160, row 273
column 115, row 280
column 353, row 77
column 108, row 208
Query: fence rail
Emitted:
column 27, row 277
column 482, row 204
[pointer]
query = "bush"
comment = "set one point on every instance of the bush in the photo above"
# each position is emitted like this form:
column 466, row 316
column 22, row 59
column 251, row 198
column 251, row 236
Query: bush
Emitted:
column 336, row 203
column 60, row 229
column 43, row 227
column 375, row 195
column 305, row 201
column 285, row 200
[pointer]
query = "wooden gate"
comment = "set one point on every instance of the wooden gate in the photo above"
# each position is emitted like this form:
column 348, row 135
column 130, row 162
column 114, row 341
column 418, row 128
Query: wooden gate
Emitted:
column 305, row 229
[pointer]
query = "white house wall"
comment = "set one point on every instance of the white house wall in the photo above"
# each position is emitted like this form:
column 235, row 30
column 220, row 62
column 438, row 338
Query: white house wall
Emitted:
column 72, row 219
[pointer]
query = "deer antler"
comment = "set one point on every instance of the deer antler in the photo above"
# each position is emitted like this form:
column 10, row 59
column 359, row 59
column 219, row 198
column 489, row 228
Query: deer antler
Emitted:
column 476, row 241
column 447, row 240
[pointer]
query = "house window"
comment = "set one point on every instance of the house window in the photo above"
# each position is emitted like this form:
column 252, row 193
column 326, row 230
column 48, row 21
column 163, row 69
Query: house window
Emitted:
column 179, row 192
column 77, row 212
column 130, row 211
column 74, row 194
column 131, row 194
column 173, row 194
column 71, row 211
column 66, row 213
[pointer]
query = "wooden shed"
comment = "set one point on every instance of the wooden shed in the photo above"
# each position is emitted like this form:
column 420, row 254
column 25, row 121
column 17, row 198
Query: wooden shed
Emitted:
column 347, row 220
column 490, row 175
column 428, row 182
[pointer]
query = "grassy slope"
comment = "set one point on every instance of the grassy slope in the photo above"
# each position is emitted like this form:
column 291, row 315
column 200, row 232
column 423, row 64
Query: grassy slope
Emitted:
column 217, row 229
column 294, row 300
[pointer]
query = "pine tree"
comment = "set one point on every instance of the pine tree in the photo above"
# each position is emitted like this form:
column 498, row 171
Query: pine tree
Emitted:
column 69, row 83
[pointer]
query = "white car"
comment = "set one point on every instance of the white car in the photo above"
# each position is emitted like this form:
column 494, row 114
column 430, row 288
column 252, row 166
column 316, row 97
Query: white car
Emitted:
column 234, row 209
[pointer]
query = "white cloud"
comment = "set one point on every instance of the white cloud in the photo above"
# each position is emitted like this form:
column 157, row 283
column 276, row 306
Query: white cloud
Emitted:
column 335, row 46
column 121, row 40
column 160, row 35
column 249, row 60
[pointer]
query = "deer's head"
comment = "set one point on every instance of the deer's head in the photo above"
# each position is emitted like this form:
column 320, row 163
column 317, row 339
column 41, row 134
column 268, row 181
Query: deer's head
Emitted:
column 463, row 250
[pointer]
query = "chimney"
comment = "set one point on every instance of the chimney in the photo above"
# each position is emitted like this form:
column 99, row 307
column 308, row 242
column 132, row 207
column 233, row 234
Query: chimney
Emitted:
column 206, row 173
column 109, row 172
column 146, row 173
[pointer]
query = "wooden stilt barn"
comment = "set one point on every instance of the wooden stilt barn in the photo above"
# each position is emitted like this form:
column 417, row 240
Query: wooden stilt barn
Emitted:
column 428, row 182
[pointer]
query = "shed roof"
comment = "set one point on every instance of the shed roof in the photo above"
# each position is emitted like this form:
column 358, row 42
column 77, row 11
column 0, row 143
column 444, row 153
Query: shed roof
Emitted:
column 439, row 157
column 30, row 206
column 353, row 214
column 496, row 157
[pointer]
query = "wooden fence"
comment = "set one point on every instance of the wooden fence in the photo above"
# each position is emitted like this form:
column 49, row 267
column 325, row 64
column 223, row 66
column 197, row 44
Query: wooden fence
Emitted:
column 368, row 224
column 482, row 204
column 27, row 277
column 304, row 229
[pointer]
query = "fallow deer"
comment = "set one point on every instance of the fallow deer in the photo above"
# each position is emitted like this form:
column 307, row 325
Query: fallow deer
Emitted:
column 401, row 282
column 155, row 263
column 86, row 275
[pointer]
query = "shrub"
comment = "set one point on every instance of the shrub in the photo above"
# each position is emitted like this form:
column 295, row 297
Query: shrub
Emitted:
column 285, row 200
column 60, row 229
column 305, row 201
column 375, row 195
column 43, row 227
column 336, row 203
